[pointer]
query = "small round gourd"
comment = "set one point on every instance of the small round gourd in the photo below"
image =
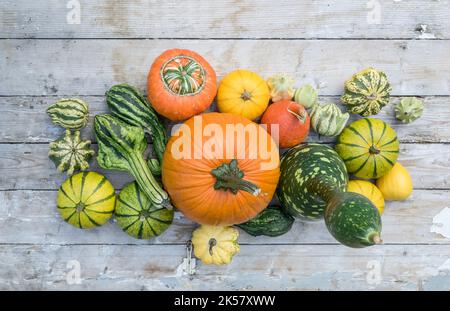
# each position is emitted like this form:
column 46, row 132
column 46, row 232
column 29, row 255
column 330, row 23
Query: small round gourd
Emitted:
column 69, row 113
column 70, row 153
column 281, row 87
column 86, row 200
column 306, row 96
column 367, row 92
column 138, row 216
column 409, row 109
column 328, row 119
column 397, row 184
column 369, row 190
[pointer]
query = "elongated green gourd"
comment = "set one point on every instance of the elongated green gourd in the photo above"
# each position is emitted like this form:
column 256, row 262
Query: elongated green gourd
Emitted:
column 129, row 105
column 312, row 186
column 121, row 147
column 272, row 221
column 69, row 113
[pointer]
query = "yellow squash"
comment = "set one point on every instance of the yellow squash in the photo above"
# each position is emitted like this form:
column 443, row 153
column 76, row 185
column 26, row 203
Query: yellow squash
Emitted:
column 397, row 184
column 244, row 93
column 368, row 190
column 215, row 245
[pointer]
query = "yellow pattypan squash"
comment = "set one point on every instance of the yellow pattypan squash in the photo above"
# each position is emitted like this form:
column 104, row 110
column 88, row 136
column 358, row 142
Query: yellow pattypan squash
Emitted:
column 244, row 93
column 397, row 184
column 215, row 244
column 368, row 190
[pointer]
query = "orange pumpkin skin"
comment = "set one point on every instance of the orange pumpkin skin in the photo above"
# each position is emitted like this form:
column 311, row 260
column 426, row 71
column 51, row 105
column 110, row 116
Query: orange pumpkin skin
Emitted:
column 190, row 182
column 181, row 84
column 293, row 121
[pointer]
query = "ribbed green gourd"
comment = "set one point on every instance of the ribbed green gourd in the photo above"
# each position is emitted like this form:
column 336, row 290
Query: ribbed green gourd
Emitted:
column 367, row 92
column 69, row 113
column 369, row 148
column 272, row 221
column 409, row 109
column 129, row 105
column 312, row 185
column 306, row 96
column 138, row 216
column 121, row 147
column 328, row 119
column 70, row 153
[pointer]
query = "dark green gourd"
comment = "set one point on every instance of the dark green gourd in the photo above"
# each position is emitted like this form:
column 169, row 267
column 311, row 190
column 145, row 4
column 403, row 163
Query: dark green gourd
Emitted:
column 272, row 221
column 312, row 185
column 130, row 106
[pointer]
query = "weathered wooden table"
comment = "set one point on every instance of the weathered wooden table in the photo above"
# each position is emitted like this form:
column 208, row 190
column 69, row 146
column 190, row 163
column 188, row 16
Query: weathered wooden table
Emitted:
column 50, row 49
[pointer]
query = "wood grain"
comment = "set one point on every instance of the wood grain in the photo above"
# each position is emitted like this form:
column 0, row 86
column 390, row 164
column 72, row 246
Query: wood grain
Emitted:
column 90, row 67
column 433, row 126
column 226, row 19
column 283, row 267
column 34, row 215
column 28, row 167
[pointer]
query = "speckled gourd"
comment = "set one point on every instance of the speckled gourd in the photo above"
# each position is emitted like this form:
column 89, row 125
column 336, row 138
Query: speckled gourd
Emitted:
column 328, row 119
column 312, row 185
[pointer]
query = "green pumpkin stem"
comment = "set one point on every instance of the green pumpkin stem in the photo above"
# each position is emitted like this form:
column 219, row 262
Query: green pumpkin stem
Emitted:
column 373, row 150
column 230, row 177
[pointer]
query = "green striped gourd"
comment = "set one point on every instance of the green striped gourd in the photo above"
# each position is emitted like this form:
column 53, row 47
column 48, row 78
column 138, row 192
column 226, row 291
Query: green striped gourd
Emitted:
column 69, row 113
column 367, row 92
column 86, row 200
column 272, row 221
column 121, row 147
column 129, row 105
column 138, row 216
column 328, row 119
column 369, row 148
column 70, row 153
column 312, row 185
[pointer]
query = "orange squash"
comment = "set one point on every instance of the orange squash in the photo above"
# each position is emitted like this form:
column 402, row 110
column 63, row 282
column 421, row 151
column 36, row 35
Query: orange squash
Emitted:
column 181, row 84
column 217, row 172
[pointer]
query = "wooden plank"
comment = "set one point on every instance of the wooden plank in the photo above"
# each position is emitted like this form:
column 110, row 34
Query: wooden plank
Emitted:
column 90, row 67
column 28, row 167
column 34, row 215
column 153, row 267
column 433, row 126
column 226, row 19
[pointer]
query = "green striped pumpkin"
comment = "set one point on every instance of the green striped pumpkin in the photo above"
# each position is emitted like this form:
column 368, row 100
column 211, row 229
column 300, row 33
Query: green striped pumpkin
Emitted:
column 138, row 216
column 369, row 148
column 129, row 105
column 69, row 153
column 367, row 92
column 69, row 113
column 86, row 200
column 312, row 186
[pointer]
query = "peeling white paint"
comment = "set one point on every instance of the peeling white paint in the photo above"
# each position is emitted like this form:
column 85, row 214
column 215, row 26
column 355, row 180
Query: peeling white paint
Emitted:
column 441, row 223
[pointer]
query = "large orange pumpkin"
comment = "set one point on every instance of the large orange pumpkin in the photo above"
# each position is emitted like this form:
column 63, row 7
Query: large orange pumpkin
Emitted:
column 217, row 171
column 181, row 84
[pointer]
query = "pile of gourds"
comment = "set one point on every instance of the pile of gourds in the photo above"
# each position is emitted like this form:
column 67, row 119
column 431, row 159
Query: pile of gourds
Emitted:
column 218, row 189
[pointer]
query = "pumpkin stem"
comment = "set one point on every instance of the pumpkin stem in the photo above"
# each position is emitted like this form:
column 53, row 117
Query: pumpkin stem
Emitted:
column 230, row 177
column 373, row 150
column 246, row 95
column 212, row 243
column 301, row 116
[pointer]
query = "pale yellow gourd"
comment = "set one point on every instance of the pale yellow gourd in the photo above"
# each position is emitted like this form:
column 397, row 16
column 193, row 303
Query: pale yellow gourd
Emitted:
column 215, row 244
column 397, row 184
column 368, row 190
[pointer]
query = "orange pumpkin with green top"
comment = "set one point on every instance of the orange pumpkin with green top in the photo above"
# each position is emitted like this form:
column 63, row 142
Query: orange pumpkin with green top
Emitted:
column 181, row 84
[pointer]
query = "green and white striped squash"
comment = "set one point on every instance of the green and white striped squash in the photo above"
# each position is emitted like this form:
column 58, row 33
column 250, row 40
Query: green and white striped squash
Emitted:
column 367, row 92
column 70, row 153
column 328, row 119
column 138, row 216
column 86, row 200
column 369, row 148
column 312, row 186
column 69, row 113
